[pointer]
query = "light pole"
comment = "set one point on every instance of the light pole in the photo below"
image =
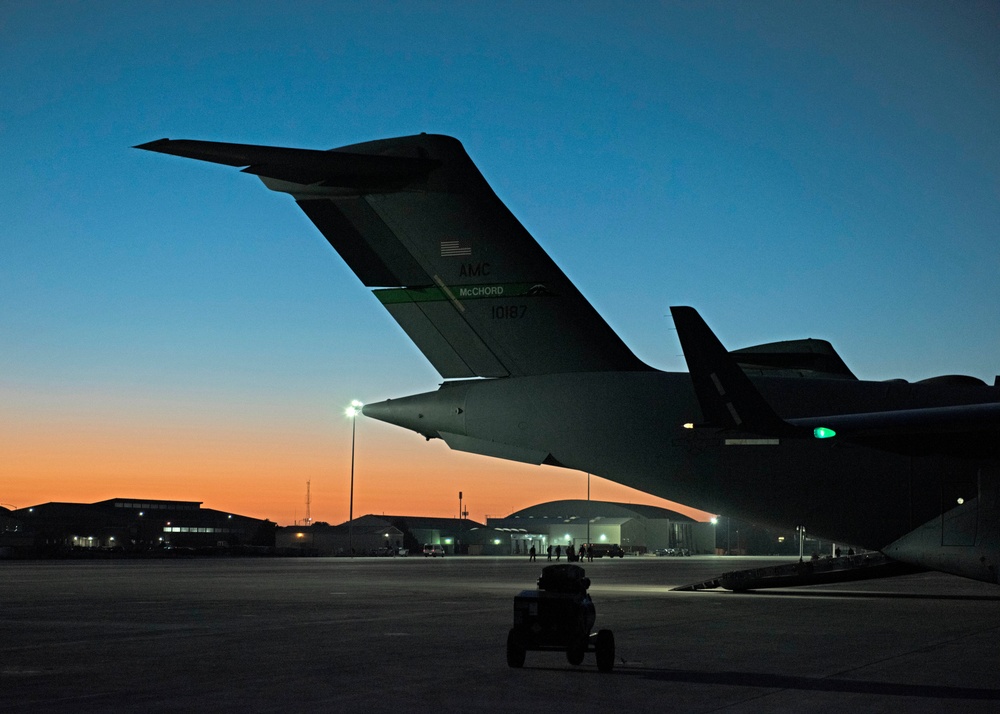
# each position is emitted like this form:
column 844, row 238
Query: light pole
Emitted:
column 352, row 412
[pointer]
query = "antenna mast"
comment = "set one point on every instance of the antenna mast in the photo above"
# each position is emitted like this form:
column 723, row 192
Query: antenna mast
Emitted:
column 308, row 502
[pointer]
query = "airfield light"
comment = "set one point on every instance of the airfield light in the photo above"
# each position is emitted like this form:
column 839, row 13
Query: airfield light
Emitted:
column 352, row 412
column 822, row 432
column 355, row 409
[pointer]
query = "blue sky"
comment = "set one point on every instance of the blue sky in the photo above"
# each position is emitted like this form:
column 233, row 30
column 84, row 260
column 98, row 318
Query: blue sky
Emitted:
column 803, row 169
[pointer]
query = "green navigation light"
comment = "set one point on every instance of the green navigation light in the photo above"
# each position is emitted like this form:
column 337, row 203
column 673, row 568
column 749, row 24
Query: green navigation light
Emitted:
column 821, row 432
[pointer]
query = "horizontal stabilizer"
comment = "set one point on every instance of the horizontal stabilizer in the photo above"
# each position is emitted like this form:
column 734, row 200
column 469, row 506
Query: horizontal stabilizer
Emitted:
column 793, row 358
column 302, row 166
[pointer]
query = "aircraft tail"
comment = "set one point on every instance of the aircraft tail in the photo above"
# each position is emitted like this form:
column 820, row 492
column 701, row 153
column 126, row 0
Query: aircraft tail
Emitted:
column 414, row 217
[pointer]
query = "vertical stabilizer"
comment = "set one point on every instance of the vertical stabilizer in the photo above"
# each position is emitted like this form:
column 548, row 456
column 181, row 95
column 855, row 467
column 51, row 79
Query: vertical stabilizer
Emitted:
column 414, row 217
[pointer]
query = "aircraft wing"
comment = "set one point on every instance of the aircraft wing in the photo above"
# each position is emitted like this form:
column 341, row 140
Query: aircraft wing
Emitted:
column 463, row 278
column 931, row 420
column 729, row 400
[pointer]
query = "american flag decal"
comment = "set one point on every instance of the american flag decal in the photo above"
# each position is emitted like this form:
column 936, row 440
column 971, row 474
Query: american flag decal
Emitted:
column 451, row 248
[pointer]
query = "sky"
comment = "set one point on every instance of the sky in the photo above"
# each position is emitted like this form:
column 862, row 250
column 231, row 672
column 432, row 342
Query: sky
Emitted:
column 172, row 329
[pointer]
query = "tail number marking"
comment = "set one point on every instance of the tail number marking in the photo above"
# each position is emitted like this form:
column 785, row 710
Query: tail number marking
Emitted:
column 508, row 312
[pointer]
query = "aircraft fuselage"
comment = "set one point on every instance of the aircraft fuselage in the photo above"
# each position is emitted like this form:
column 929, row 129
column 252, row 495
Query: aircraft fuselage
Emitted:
column 629, row 427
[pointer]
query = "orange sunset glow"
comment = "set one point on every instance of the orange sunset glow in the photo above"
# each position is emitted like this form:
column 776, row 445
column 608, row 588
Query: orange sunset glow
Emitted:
column 260, row 471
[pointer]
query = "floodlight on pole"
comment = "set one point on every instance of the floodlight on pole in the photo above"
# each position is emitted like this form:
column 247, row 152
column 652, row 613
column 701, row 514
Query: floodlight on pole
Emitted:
column 352, row 413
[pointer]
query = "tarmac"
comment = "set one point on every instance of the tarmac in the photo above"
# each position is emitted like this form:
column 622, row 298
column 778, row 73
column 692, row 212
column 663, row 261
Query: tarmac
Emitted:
column 415, row 634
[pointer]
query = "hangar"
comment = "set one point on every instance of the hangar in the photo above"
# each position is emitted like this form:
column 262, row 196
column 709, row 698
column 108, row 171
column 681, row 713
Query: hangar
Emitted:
column 133, row 525
column 367, row 535
column 388, row 535
column 636, row 528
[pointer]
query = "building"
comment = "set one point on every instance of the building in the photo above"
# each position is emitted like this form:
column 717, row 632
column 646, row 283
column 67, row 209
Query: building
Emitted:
column 385, row 535
column 367, row 535
column 14, row 542
column 135, row 525
column 636, row 528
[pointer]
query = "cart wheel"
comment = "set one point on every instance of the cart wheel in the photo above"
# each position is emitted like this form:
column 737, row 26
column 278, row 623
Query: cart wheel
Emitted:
column 515, row 650
column 575, row 652
column 605, row 646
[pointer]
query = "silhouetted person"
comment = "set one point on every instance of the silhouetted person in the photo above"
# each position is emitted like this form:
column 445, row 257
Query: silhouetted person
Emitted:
column 850, row 551
column 531, row 554
column 558, row 551
column 570, row 554
column 549, row 551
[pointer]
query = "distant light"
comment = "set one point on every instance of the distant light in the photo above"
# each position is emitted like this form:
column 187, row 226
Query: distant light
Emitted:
column 142, row 513
column 715, row 520
column 386, row 535
column 689, row 425
column 603, row 537
column 961, row 501
column 229, row 516
column 821, row 432
column 447, row 541
column 300, row 535
column 496, row 541
column 567, row 536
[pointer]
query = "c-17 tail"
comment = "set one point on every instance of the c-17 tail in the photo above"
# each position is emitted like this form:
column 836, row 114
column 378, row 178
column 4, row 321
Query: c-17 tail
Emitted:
column 413, row 217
